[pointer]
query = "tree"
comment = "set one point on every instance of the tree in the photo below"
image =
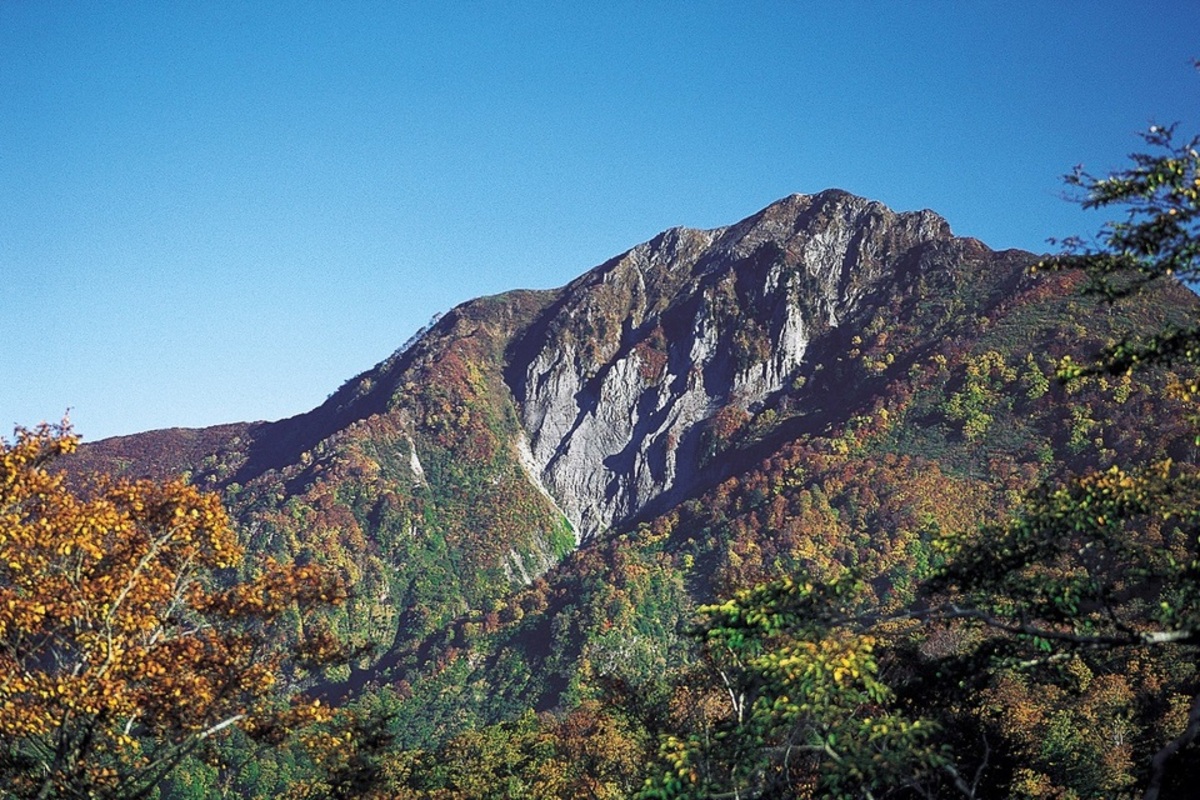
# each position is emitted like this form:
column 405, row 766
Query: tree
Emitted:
column 128, row 637
column 1051, row 655
column 810, row 712
column 1157, row 242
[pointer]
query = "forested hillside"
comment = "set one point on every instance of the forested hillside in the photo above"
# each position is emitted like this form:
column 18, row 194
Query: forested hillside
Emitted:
column 790, row 508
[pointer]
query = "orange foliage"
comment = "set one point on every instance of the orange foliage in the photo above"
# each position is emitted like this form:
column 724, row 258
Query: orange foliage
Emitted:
column 119, row 651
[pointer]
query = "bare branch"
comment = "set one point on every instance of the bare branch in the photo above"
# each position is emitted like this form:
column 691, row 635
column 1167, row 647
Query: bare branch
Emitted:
column 1158, row 764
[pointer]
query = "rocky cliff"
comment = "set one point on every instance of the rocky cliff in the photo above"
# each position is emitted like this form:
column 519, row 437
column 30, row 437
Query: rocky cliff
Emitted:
column 515, row 427
column 616, row 378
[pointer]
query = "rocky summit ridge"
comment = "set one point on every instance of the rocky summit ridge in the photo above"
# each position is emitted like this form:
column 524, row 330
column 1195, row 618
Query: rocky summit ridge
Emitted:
column 531, row 497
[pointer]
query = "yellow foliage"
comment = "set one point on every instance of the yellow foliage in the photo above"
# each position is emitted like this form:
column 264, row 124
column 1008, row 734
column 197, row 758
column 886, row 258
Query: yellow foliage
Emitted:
column 119, row 648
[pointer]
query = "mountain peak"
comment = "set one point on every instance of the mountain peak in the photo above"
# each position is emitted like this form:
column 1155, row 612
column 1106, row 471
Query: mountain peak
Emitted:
column 616, row 384
column 836, row 210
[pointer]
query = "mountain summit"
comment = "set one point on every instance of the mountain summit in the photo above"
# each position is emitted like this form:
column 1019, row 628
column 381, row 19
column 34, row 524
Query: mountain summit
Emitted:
column 595, row 403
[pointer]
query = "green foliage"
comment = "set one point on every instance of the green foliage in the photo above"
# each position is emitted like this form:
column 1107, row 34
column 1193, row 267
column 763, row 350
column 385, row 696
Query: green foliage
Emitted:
column 1157, row 241
column 808, row 709
column 984, row 382
column 1034, row 381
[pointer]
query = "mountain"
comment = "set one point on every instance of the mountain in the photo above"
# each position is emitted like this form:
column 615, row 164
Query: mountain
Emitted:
column 532, row 496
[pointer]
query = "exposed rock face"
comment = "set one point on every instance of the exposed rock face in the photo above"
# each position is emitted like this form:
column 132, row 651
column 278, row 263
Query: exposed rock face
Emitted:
column 616, row 379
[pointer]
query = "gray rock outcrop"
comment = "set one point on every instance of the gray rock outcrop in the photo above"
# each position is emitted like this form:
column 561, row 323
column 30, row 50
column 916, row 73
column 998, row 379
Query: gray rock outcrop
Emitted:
column 614, row 385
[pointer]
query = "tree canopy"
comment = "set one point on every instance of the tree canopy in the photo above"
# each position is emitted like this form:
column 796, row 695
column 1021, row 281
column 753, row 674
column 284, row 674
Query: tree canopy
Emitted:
column 1157, row 240
column 132, row 630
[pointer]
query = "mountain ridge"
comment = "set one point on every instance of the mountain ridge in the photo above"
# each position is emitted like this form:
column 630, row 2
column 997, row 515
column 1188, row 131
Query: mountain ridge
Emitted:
column 521, row 425
column 657, row 271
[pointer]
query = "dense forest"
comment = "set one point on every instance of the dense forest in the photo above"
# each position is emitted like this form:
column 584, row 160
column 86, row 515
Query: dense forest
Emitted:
column 916, row 520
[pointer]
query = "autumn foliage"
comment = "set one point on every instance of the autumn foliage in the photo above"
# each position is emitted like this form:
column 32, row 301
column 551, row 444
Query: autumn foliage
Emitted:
column 127, row 639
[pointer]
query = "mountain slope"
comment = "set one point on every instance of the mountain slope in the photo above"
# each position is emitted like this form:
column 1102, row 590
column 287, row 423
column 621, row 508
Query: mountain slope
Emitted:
column 532, row 495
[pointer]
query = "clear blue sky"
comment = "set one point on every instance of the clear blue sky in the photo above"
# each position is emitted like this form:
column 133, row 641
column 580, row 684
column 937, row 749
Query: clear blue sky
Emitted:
column 220, row 211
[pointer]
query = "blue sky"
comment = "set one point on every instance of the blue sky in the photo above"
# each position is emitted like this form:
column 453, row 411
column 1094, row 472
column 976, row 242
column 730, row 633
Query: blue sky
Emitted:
column 216, row 212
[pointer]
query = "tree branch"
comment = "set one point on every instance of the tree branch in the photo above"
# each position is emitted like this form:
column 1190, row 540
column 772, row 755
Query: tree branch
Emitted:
column 1158, row 764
